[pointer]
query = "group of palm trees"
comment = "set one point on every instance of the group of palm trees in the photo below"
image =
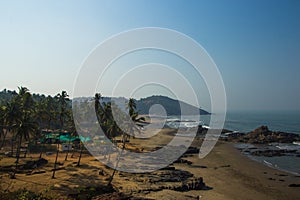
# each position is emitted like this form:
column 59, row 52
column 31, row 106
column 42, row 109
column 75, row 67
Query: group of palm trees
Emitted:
column 107, row 120
column 23, row 115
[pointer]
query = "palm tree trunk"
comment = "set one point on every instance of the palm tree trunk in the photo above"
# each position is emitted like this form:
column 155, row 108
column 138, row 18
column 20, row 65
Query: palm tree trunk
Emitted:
column 118, row 160
column 115, row 169
column 41, row 152
column 18, row 149
column 54, row 169
column 49, row 122
column 17, row 157
column 3, row 140
column 81, row 149
column 68, row 150
column 12, row 146
column 73, row 150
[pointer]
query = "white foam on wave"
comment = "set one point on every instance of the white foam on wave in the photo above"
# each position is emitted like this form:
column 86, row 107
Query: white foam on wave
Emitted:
column 296, row 143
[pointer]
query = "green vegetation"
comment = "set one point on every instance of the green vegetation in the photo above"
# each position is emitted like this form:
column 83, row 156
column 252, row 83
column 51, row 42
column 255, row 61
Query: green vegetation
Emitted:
column 23, row 116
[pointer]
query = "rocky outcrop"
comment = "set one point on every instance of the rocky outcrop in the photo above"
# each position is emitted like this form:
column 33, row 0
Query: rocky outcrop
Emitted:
column 193, row 184
column 183, row 161
column 192, row 150
column 273, row 152
column 173, row 179
column 112, row 196
column 262, row 135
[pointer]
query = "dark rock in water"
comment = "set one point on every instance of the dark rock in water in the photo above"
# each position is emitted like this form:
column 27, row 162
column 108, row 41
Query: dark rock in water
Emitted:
column 294, row 185
column 272, row 152
column 201, row 130
column 262, row 135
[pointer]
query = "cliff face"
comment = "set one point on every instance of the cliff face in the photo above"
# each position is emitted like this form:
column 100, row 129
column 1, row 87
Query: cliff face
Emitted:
column 172, row 107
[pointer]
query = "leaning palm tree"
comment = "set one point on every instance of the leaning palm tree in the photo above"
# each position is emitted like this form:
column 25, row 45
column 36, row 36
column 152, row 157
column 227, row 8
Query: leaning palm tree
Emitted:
column 80, row 154
column 133, row 113
column 130, row 127
column 113, row 130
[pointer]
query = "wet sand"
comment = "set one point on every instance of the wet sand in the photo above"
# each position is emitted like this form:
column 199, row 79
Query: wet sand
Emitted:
column 232, row 176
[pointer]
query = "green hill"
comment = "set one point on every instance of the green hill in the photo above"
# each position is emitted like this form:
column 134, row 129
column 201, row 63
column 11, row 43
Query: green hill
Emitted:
column 171, row 106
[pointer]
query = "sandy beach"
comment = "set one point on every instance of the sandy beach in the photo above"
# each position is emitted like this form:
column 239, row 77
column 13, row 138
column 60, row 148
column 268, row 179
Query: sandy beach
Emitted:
column 233, row 176
column 226, row 172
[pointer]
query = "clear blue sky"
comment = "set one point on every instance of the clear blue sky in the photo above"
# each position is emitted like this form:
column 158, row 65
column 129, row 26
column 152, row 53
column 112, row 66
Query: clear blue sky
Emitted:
column 255, row 44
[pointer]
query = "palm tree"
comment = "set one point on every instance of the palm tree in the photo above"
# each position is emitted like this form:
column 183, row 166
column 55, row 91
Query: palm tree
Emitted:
column 80, row 154
column 46, row 112
column 51, row 112
column 131, row 106
column 62, row 99
column 11, row 117
column 26, row 124
column 133, row 113
column 4, row 126
column 72, row 131
column 55, row 162
column 25, row 129
column 106, row 115
column 98, row 107
column 113, row 130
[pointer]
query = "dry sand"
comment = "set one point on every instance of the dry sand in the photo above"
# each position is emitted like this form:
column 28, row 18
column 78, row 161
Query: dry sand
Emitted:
column 230, row 175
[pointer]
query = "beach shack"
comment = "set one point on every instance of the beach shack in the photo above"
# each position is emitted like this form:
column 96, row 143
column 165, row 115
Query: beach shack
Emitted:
column 65, row 147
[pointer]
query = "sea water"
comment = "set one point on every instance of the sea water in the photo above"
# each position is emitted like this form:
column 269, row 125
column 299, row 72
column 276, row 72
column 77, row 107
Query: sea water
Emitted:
column 246, row 121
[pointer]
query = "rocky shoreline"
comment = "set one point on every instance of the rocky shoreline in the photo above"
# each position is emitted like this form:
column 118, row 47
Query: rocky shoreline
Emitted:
column 262, row 135
column 261, row 139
